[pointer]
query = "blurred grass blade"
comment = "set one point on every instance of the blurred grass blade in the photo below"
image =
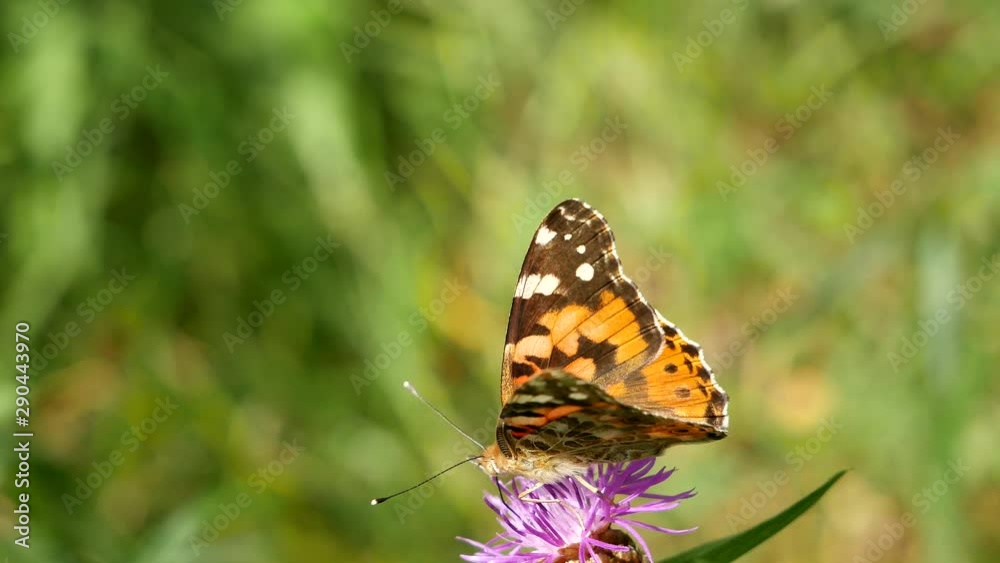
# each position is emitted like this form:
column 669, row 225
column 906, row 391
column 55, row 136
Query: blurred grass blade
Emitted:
column 731, row 548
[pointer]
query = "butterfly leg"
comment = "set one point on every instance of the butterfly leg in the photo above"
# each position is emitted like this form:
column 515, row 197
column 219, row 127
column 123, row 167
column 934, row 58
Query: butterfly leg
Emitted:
column 530, row 490
column 586, row 485
column 524, row 494
column 568, row 508
column 592, row 488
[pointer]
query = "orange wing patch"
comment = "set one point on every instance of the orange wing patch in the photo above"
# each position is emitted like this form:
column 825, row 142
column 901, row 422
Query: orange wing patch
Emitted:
column 614, row 322
column 613, row 334
column 584, row 368
column 678, row 384
column 607, row 322
column 563, row 325
column 532, row 347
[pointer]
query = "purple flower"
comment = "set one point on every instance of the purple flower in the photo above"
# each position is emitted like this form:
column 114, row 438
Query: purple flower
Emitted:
column 574, row 523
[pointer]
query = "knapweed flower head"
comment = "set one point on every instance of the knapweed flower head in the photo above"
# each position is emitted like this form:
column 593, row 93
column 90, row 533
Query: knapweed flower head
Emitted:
column 564, row 521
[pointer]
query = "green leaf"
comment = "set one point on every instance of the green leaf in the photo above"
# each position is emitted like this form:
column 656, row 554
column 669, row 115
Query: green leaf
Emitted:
column 731, row 548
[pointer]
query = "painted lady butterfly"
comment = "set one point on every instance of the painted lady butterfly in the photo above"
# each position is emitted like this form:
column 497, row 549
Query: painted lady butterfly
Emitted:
column 591, row 372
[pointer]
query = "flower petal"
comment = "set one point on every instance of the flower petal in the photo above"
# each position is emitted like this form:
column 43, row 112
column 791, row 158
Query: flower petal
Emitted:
column 565, row 513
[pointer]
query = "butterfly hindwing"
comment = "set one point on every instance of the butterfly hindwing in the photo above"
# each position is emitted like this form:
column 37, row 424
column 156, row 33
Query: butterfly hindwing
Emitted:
column 574, row 309
column 556, row 413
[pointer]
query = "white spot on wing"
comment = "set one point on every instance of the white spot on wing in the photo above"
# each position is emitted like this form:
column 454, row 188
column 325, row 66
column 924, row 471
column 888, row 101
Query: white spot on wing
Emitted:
column 529, row 286
column 558, row 426
column 544, row 235
column 519, row 291
column 537, row 285
column 578, row 396
column 567, row 236
column 581, row 249
column 548, row 284
column 562, row 211
column 585, row 272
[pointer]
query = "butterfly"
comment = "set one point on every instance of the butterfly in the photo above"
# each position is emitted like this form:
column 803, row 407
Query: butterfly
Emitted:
column 591, row 372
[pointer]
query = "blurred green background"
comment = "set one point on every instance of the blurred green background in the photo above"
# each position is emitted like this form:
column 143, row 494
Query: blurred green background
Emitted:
column 236, row 227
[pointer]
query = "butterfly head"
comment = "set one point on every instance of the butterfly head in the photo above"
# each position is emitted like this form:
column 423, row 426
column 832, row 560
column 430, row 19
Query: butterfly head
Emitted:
column 496, row 462
column 493, row 462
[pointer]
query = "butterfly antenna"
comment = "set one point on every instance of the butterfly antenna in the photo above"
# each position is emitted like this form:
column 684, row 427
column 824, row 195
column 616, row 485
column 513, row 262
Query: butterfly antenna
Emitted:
column 380, row 500
column 411, row 389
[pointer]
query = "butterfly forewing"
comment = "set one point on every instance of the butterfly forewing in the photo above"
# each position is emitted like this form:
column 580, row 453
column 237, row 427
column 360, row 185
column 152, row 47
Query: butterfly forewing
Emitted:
column 678, row 384
column 573, row 308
